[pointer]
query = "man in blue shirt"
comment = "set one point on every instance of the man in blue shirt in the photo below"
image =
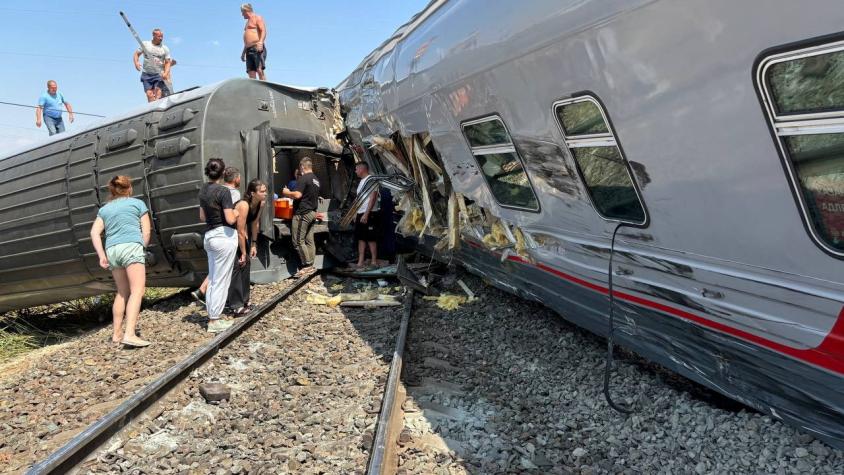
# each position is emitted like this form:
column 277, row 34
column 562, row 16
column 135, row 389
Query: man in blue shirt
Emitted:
column 50, row 104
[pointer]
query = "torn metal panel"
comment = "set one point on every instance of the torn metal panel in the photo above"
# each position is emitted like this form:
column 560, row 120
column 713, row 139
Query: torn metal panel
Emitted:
column 423, row 186
column 453, row 221
column 395, row 183
column 421, row 155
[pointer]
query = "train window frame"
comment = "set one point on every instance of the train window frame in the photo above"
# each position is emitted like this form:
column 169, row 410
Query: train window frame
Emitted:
column 607, row 139
column 495, row 149
column 785, row 125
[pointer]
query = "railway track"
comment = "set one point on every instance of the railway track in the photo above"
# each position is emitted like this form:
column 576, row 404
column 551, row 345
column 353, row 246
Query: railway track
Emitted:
column 499, row 385
column 308, row 386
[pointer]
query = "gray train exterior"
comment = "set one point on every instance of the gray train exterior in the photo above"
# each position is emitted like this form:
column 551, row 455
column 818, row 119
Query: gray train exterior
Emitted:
column 50, row 193
column 721, row 274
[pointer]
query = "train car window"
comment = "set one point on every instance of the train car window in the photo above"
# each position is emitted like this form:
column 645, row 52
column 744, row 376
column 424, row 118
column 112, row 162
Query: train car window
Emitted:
column 582, row 118
column 599, row 160
column 804, row 101
column 490, row 132
column 807, row 85
column 500, row 163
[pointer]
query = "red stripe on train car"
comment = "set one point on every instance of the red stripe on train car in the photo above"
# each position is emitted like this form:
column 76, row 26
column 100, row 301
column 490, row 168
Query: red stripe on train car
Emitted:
column 828, row 355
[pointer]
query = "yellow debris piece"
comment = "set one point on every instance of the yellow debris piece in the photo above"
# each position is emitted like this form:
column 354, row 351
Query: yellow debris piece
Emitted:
column 336, row 287
column 317, row 299
column 521, row 247
column 448, row 301
column 334, row 300
column 417, row 219
column 497, row 236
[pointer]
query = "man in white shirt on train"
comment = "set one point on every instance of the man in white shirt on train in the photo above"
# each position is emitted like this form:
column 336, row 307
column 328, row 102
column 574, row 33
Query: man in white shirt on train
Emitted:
column 156, row 68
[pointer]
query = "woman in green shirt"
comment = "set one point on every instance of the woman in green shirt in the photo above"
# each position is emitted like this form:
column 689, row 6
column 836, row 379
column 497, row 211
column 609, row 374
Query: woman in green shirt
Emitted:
column 125, row 221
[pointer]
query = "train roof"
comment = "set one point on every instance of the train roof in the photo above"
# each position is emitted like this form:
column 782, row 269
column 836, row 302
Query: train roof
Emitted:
column 391, row 42
column 159, row 105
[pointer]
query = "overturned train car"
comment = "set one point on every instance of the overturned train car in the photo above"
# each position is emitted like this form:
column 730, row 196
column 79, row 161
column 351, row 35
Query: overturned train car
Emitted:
column 49, row 194
column 694, row 146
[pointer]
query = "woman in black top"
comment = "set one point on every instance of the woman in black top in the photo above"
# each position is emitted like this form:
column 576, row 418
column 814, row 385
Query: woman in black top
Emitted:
column 217, row 210
column 248, row 209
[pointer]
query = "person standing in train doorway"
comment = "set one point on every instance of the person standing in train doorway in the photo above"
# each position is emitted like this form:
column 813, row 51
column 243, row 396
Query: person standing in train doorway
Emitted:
column 254, row 49
column 50, row 106
column 156, row 68
column 127, row 226
column 367, row 223
column 306, row 199
column 220, row 242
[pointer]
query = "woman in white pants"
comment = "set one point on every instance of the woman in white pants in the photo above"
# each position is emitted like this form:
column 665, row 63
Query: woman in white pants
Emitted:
column 217, row 210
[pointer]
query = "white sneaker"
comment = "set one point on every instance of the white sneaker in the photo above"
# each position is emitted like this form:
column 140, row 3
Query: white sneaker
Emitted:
column 219, row 325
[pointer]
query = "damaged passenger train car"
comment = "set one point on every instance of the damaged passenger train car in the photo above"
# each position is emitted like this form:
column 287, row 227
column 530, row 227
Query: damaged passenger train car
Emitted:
column 685, row 158
column 50, row 193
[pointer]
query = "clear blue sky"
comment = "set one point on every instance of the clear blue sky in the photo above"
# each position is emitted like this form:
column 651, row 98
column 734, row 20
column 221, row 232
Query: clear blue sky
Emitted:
column 87, row 49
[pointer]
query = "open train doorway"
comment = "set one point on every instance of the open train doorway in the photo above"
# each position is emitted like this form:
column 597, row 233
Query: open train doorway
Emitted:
column 279, row 153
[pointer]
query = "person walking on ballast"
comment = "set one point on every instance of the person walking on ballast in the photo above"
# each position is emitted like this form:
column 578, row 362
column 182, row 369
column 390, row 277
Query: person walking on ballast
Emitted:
column 306, row 199
column 249, row 211
column 217, row 210
column 50, row 106
column 126, row 223
column 156, row 69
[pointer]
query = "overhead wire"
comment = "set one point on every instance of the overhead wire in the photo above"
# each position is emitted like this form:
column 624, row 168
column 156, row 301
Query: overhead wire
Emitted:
column 35, row 107
column 113, row 60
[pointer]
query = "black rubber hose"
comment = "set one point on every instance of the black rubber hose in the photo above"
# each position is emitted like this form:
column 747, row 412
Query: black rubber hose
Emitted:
column 609, row 358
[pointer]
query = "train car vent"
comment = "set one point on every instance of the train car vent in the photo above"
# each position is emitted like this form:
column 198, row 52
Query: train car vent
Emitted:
column 121, row 139
column 187, row 241
column 175, row 118
column 172, row 147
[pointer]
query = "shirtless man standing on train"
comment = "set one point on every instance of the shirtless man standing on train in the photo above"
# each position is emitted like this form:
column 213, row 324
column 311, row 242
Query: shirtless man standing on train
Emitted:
column 254, row 49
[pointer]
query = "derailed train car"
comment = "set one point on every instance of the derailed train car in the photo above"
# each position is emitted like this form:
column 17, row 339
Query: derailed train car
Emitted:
column 50, row 193
column 683, row 158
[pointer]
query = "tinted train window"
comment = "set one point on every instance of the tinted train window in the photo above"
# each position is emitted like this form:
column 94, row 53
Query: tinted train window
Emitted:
column 804, row 100
column 500, row 163
column 600, row 162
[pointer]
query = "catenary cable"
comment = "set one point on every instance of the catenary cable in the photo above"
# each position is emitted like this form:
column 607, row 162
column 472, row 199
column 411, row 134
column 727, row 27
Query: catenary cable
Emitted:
column 35, row 107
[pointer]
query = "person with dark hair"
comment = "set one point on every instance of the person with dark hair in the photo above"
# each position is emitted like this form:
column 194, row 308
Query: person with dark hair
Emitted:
column 217, row 210
column 366, row 221
column 249, row 211
column 305, row 201
column 126, row 223
column 231, row 180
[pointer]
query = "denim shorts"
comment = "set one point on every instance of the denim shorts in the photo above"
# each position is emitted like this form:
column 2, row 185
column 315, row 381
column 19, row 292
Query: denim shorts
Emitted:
column 121, row 255
column 152, row 81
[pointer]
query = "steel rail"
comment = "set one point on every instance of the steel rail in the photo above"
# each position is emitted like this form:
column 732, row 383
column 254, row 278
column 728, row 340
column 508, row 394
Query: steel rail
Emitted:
column 389, row 404
column 90, row 439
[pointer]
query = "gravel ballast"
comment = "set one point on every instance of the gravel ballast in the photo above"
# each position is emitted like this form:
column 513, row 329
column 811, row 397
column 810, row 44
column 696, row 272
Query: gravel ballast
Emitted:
column 502, row 385
column 305, row 381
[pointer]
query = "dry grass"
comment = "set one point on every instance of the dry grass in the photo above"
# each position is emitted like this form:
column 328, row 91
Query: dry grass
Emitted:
column 22, row 331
